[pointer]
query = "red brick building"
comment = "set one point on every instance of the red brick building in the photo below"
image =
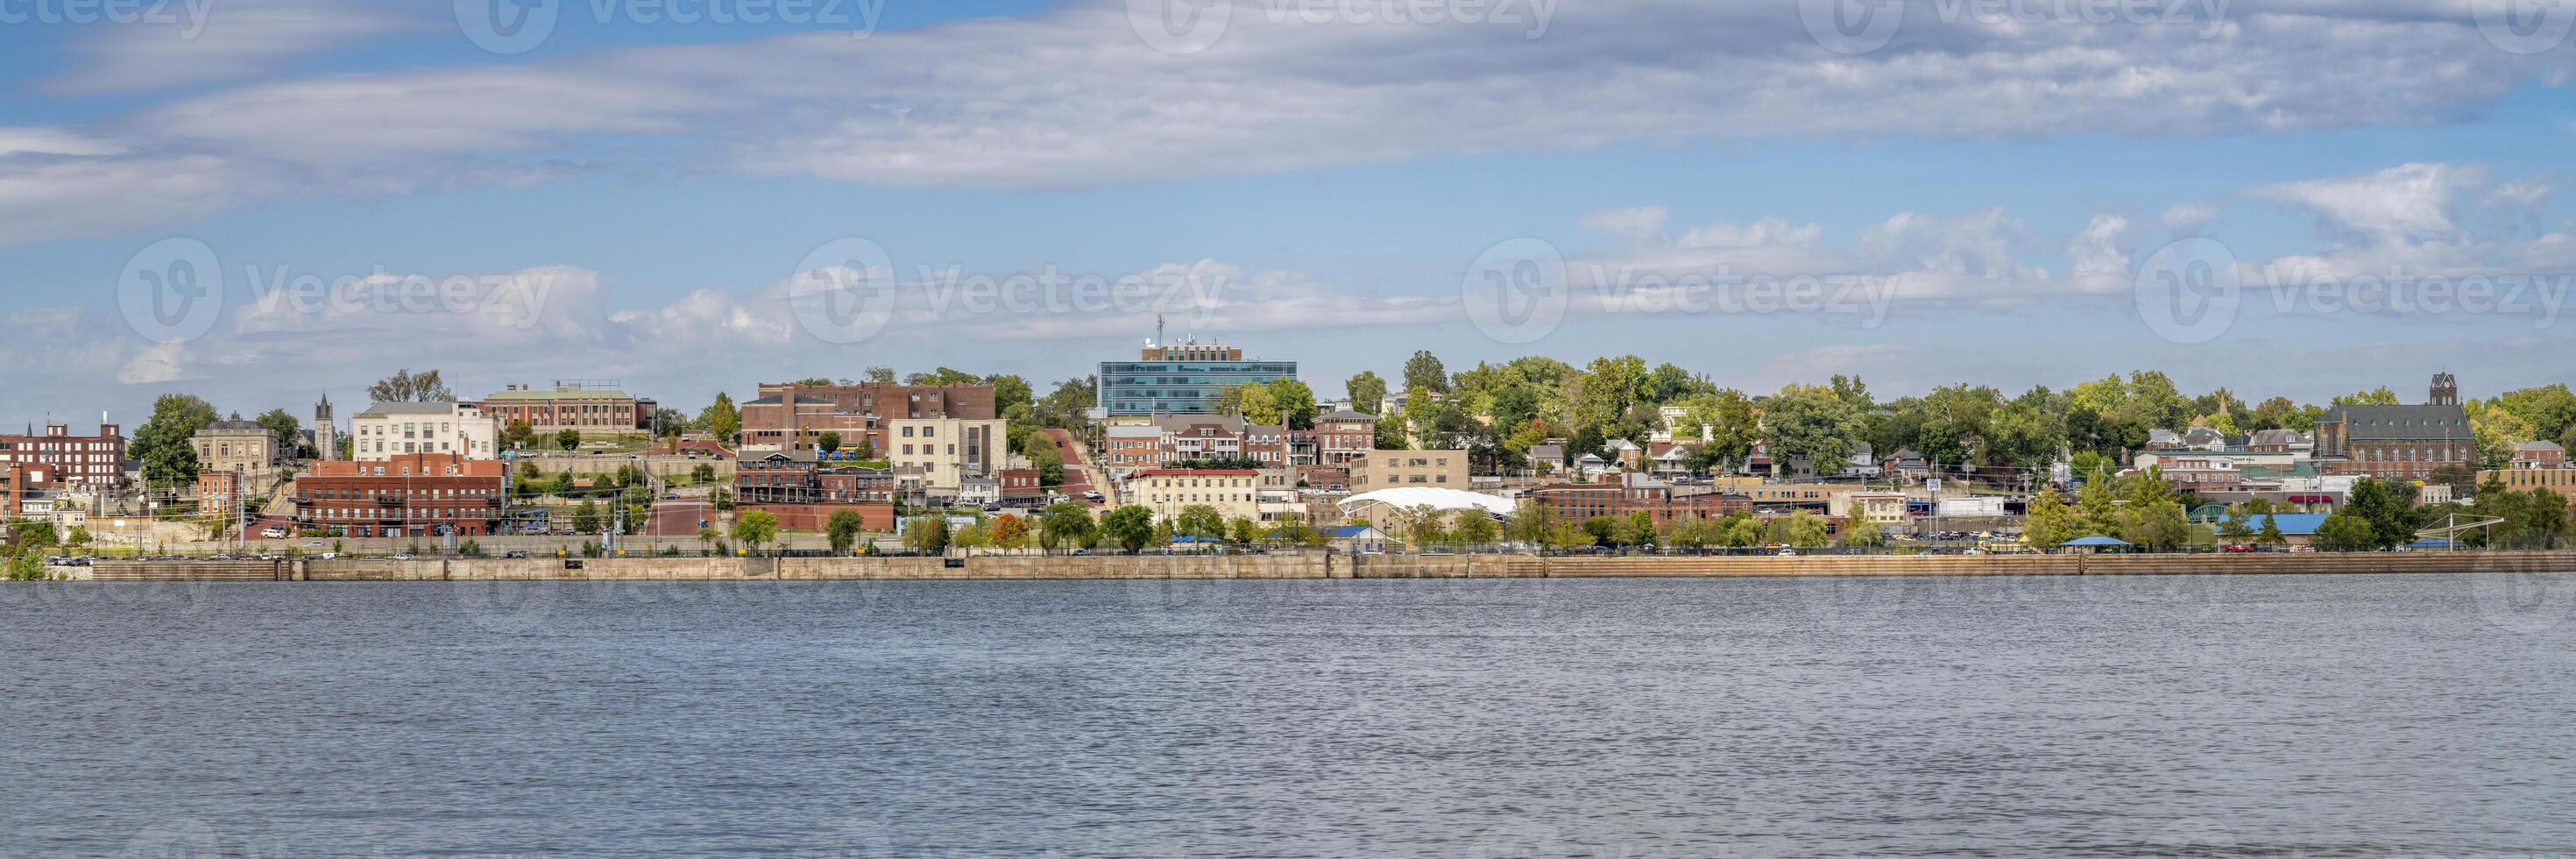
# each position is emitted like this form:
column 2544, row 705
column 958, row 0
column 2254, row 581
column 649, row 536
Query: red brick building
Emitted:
column 84, row 461
column 790, row 485
column 1342, row 435
column 410, row 495
column 1575, row 502
column 583, row 406
column 2397, row 442
column 1175, row 438
column 789, row 415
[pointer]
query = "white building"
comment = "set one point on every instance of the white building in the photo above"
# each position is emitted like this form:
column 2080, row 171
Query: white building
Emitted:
column 947, row 450
column 385, row 430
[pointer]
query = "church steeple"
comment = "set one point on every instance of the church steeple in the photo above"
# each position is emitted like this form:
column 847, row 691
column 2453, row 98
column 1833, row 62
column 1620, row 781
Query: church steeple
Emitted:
column 2446, row 390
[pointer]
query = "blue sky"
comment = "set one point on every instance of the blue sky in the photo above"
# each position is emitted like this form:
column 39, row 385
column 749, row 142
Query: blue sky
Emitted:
column 1981, row 199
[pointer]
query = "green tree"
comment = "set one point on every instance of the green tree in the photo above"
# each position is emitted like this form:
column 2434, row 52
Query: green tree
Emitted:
column 755, row 529
column 720, row 419
column 2049, row 524
column 2236, row 527
column 517, row 436
column 843, row 529
column 1808, row 530
column 162, row 445
column 2157, row 525
column 585, row 517
column 1130, row 528
column 2389, row 509
column 1474, row 527
column 568, row 439
column 1637, row 529
column 1367, row 391
column 1811, row 422
column 1200, row 520
column 1423, row 373
column 1295, row 402
column 1244, row 531
column 405, row 387
column 2271, row 534
column 2346, row 531
column 927, row 534
column 1066, row 525
column 287, row 430
column 828, row 442
column 1864, row 534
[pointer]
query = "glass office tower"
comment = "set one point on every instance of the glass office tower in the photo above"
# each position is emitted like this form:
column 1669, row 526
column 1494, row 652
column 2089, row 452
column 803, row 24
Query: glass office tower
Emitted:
column 1183, row 379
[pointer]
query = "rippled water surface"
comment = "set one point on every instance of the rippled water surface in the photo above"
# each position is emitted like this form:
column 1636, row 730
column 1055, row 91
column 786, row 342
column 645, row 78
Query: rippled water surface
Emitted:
column 2326, row 715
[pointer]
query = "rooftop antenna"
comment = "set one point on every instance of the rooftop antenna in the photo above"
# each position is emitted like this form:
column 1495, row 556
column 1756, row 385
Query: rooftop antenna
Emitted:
column 1158, row 329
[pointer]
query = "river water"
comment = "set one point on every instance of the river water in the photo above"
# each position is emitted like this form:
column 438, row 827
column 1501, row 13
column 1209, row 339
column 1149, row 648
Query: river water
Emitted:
column 2042, row 716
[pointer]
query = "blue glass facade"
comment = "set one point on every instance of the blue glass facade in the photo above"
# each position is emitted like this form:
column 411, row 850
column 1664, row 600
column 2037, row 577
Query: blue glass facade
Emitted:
column 1180, row 387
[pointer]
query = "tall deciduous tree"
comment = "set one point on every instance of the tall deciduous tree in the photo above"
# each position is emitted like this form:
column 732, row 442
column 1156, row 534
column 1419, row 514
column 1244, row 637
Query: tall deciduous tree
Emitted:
column 161, row 444
column 1367, row 391
column 404, row 386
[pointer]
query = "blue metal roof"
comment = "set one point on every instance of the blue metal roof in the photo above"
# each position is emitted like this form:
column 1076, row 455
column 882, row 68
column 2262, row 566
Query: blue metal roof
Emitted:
column 2292, row 524
column 2095, row 541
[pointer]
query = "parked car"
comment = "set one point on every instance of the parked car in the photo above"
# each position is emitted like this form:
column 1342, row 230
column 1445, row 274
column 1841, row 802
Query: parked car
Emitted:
column 274, row 533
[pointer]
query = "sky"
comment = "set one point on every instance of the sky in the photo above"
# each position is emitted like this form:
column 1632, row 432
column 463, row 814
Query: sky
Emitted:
column 262, row 202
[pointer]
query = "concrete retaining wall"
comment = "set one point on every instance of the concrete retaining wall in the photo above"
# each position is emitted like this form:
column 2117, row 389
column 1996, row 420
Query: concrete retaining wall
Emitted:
column 1332, row 567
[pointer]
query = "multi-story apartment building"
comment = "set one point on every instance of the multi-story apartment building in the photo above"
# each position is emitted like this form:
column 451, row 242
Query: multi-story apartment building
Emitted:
column 947, row 450
column 19, row 482
column 236, row 446
column 1182, row 379
column 787, row 415
column 407, row 495
column 83, row 461
column 1234, row 492
column 1174, row 438
column 2397, row 442
column 1390, row 469
column 587, row 406
column 387, row 430
column 1888, row 509
column 2561, row 480
column 792, row 486
column 1342, row 435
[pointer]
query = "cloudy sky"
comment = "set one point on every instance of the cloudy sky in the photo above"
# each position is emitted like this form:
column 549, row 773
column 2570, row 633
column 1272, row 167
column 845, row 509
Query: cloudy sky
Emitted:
column 263, row 201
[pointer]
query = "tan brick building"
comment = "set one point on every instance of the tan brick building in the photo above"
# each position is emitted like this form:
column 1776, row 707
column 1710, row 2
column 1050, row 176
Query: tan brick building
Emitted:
column 1393, row 469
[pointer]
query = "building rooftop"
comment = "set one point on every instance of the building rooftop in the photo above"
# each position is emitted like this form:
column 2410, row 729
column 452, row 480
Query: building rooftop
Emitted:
column 434, row 408
column 560, row 394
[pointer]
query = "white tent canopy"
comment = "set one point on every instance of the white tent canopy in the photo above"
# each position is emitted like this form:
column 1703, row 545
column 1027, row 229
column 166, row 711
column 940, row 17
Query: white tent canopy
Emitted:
column 1443, row 500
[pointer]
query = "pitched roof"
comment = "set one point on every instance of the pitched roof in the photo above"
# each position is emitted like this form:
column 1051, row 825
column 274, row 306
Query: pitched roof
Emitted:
column 2400, row 423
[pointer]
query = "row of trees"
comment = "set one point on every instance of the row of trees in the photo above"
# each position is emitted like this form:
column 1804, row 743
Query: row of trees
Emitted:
column 1499, row 411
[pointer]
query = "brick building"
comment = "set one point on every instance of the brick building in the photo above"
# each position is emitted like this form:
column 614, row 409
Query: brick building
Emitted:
column 584, row 406
column 1342, row 435
column 409, row 495
column 1167, row 439
column 788, row 415
column 792, row 486
column 82, row 461
column 1389, row 469
column 1632, row 493
column 2397, row 442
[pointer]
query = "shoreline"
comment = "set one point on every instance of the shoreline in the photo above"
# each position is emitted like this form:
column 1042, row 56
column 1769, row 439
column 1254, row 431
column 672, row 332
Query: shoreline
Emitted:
column 1318, row 566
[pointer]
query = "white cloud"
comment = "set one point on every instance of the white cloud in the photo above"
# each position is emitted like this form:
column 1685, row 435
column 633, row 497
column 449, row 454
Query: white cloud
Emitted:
column 1084, row 103
column 235, row 39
